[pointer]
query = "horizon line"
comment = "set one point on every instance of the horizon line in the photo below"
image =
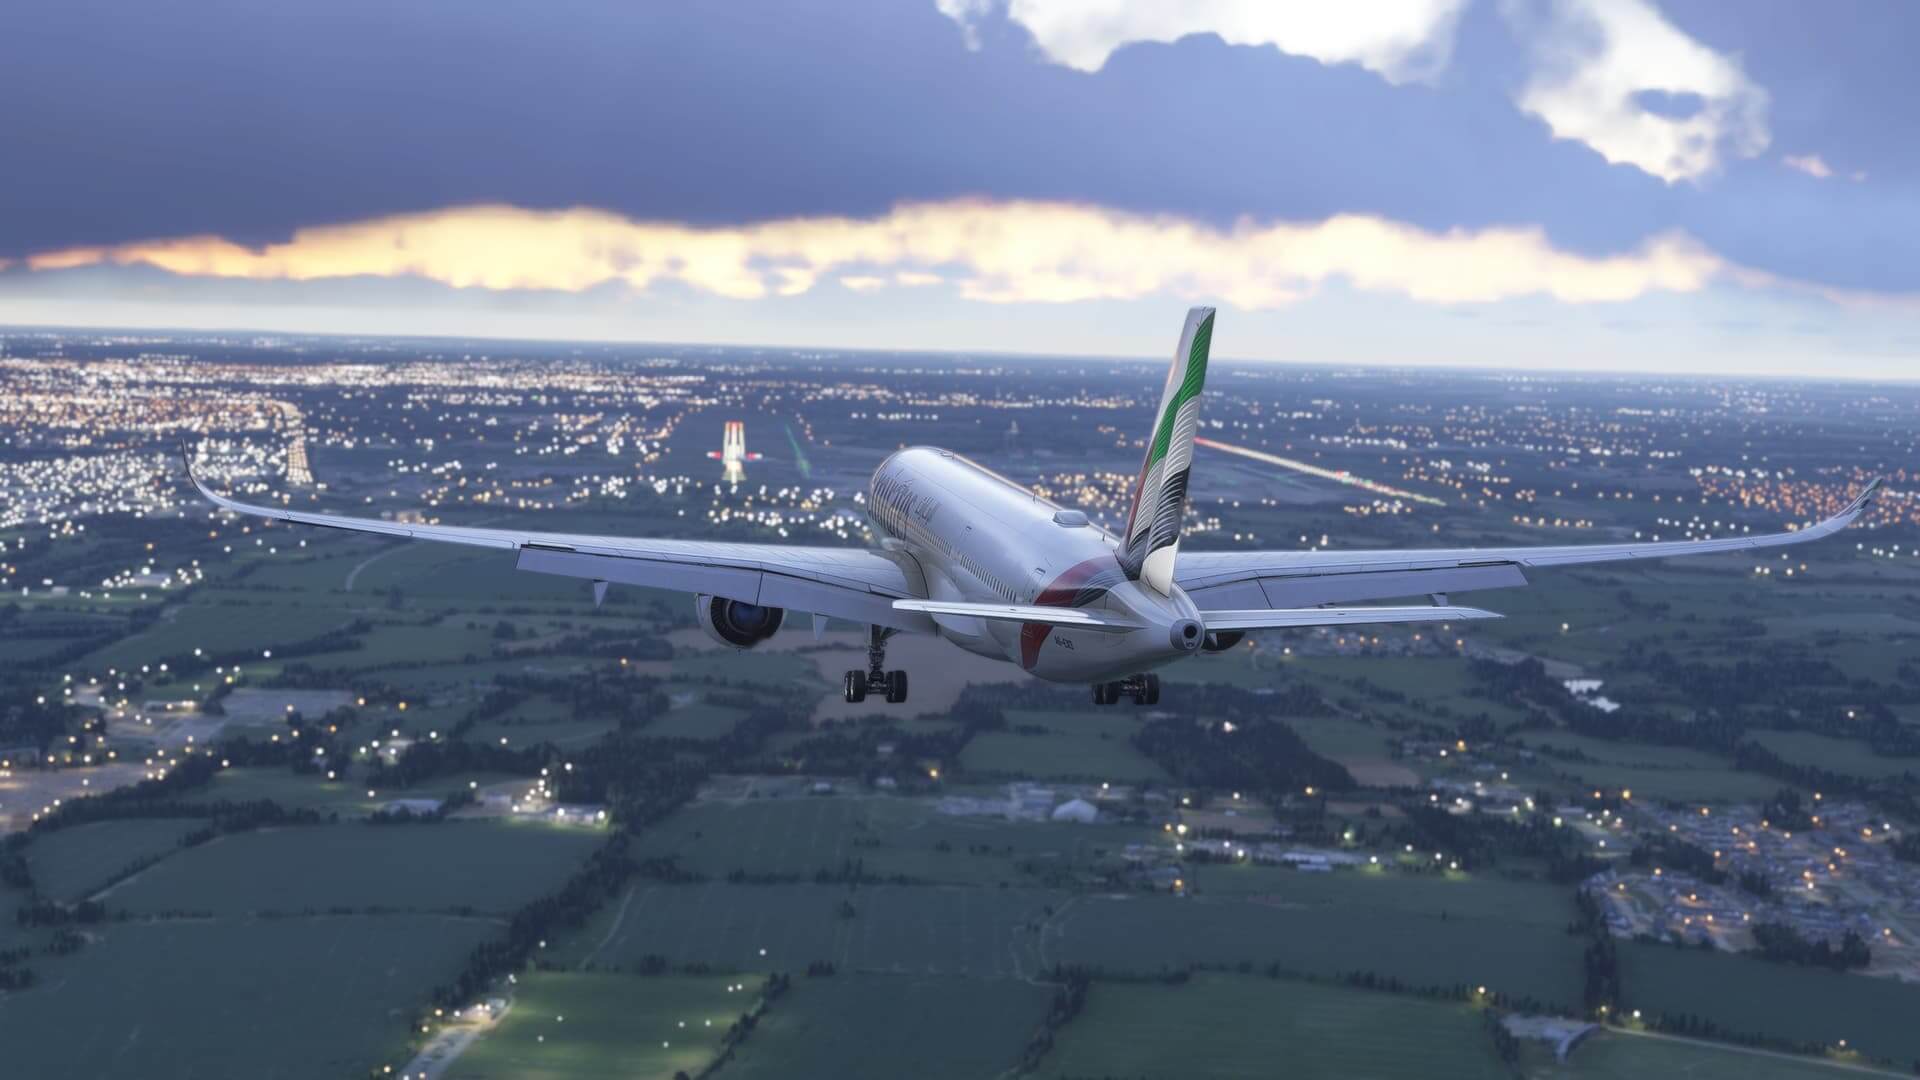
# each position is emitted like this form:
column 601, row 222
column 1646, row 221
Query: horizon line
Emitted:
column 1333, row 365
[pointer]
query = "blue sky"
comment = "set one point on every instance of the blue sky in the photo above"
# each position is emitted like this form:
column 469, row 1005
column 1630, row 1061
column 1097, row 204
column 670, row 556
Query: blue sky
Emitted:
column 1691, row 186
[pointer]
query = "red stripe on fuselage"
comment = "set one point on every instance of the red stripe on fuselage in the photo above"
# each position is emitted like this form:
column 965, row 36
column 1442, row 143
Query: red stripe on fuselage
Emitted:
column 1076, row 587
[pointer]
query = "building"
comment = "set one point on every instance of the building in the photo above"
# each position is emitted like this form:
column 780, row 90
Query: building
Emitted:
column 1077, row 810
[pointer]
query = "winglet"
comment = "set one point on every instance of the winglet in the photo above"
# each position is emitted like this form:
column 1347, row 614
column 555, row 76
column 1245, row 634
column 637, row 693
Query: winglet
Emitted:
column 1864, row 499
column 221, row 501
column 186, row 459
column 1846, row 517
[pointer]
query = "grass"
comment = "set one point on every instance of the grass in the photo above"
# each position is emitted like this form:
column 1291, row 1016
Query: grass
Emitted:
column 787, row 671
column 215, row 627
column 696, row 720
column 1091, row 746
column 1676, row 785
column 1231, row 1026
column 485, row 866
column 984, row 933
column 1613, row 1055
column 1751, row 996
column 886, row 836
column 1010, row 932
column 1853, row 757
column 564, row 1025
column 886, row 1025
column 289, row 999
column 1391, row 893
column 1654, row 772
column 1326, row 935
column 348, row 798
column 70, row 864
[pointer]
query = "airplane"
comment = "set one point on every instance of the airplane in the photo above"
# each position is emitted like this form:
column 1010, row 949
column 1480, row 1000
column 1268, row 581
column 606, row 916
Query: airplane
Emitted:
column 733, row 452
column 968, row 555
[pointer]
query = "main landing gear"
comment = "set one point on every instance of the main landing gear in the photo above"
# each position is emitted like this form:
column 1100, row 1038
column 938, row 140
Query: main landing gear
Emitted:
column 875, row 679
column 1143, row 689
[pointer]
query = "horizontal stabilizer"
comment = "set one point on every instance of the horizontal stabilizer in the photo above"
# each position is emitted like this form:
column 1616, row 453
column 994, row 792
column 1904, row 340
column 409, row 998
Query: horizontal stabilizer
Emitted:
column 1077, row 618
column 1280, row 619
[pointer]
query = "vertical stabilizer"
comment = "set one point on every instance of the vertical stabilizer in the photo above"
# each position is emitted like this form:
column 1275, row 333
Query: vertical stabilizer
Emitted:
column 1152, row 539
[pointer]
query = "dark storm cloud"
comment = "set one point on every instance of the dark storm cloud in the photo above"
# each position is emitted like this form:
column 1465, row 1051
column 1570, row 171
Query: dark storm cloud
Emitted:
column 129, row 121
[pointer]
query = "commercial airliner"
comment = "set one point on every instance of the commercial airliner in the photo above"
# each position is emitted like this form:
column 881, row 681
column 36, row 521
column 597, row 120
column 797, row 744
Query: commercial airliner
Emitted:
column 997, row 570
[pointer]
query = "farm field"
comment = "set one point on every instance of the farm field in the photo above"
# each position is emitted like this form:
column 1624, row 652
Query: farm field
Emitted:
column 696, row 720
column 1852, row 757
column 1751, row 996
column 291, row 999
column 577, row 1026
column 491, row 867
column 984, row 933
column 348, row 798
column 1223, row 1026
column 1151, row 934
column 70, row 863
column 885, row 836
column 1617, row 1055
column 216, row 627
column 892, row 1025
column 1076, row 746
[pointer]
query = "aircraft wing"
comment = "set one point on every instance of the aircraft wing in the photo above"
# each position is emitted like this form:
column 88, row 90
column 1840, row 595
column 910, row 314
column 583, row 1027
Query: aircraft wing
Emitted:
column 843, row 583
column 1072, row 618
column 1298, row 579
column 1280, row 619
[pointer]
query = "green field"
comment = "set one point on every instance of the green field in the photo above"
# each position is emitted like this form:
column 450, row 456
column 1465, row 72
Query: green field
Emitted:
column 1233, row 1026
column 69, row 864
column 1616, row 1055
column 985, row 933
column 283, row 998
column 1853, row 757
column 1149, row 934
column 491, row 867
column 892, row 1025
column 348, row 798
column 696, row 720
column 215, row 627
column 565, row 1025
column 1084, row 746
column 1002, row 932
column 1750, row 996
column 885, row 836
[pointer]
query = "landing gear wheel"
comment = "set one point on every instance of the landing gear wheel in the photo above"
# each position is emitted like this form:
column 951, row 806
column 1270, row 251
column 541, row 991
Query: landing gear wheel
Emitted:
column 896, row 687
column 1099, row 693
column 856, row 686
column 1151, row 696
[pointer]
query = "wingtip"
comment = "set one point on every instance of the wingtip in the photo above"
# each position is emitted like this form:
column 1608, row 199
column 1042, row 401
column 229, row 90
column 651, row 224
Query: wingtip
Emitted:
column 186, row 461
column 1866, row 496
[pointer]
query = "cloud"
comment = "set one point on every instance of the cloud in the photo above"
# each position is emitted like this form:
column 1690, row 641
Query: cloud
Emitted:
column 993, row 252
column 1401, row 40
column 1811, row 164
column 1816, row 166
column 1617, row 76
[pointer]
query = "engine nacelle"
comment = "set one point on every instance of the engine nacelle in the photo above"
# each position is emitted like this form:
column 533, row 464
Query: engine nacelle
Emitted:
column 734, row 624
column 1221, row 640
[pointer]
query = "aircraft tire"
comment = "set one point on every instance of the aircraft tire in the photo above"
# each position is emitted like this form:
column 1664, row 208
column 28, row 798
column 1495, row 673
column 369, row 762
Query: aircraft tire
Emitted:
column 856, row 689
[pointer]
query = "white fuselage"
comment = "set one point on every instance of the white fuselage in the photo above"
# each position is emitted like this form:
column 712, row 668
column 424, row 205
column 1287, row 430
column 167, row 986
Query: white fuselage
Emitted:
column 977, row 537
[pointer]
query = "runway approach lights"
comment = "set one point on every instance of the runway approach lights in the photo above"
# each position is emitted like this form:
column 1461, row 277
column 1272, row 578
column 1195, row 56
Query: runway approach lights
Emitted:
column 732, row 455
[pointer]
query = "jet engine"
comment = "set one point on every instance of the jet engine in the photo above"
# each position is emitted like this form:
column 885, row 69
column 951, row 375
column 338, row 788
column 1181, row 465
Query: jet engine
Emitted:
column 1221, row 640
column 735, row 624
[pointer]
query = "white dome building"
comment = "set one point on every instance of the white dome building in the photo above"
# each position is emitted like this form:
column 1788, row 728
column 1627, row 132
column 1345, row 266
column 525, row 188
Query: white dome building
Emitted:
column 1079, row 810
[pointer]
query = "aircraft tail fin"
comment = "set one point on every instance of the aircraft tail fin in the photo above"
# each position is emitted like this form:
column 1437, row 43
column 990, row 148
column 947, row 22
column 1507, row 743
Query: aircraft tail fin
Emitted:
column 1152, row 539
